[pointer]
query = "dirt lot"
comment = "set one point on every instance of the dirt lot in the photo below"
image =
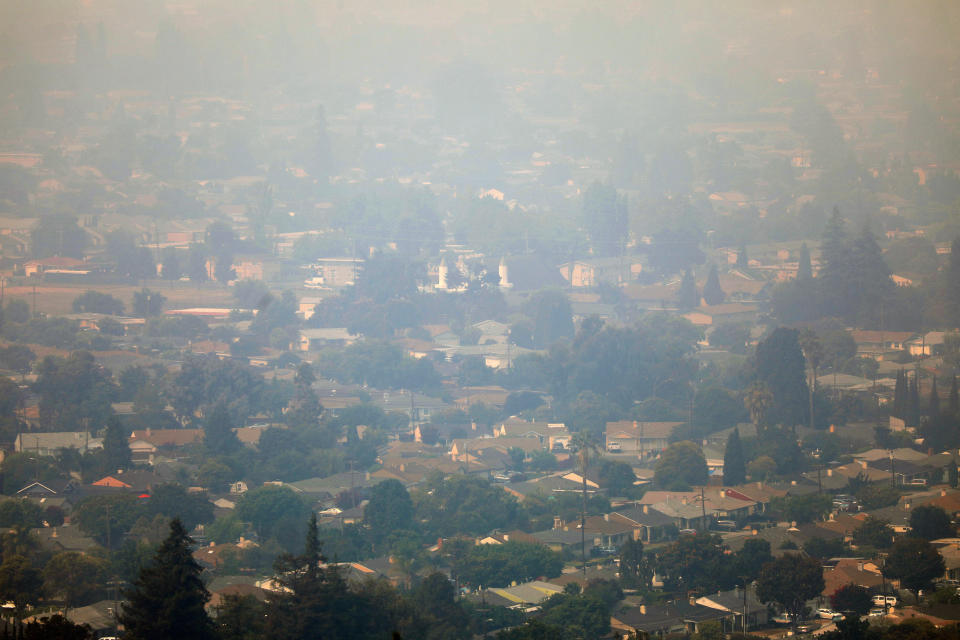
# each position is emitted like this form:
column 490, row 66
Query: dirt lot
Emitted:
column 56, row 299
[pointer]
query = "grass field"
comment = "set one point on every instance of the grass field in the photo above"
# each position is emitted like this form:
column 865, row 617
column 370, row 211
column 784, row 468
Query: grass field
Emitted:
column 56, row 299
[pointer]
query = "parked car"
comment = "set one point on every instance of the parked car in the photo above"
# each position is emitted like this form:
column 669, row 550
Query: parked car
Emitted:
column 829, row 614
column 876, row 612
column 884, row 601
column 806, row 628
column 725, row 525
column 782, row 618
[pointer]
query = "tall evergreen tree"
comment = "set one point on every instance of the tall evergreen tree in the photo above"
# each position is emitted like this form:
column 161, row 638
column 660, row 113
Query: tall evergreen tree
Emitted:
column 933, row 405
column 900, row 396
column 954, row 406
column 734, row 465
column 712, row 292
column 781, row 366
column 834, row 263
column 168, row 599
column 218, row 434
column 868, row 280
column 913, row 402
column 688, row 297
column 116, row 449
column 804, row 270
column 316, row 603
column 953, row 280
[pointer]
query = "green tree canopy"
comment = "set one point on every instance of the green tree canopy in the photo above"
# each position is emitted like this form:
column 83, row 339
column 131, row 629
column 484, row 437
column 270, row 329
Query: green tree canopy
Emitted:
column 914, row 562
column 168, row 598
column 681, row 466
column 790, row 581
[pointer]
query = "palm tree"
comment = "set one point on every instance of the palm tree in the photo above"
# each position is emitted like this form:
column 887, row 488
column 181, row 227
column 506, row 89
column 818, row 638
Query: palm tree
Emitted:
column 757, row 400
column 813, row 351
column 584, row 446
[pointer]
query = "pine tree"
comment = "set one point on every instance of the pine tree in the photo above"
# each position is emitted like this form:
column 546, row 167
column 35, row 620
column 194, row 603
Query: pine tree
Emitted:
column 116, row 449
column 868, row 279
column 834, row 268
column 804, row 270
column 219, row 437
column 953, row 280
column 168, row 599
column 781, row 366
column 687, row 296
column 913, row 402
column 933, row 406
column 954, row 406
column 900, row 396
column 734, row 466
column 712, row 293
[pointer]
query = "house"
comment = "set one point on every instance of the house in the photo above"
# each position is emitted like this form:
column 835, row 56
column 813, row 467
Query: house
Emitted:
column 740, row 603
column 650, row 524
column 144, row 444
column 335, row 272
column 660, row 620
column 643, row 439
column 875, row 344
column 851, row 571
column 592, row 272
column 48, row 444
column 927, row 344
column 552, row 435
column 709, row 315
column 315, row 339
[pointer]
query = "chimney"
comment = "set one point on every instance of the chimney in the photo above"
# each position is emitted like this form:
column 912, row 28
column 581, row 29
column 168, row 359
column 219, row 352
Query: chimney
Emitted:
column 646, row 508
column 557, row 523
column 829, row 473
column 693, row 600
column 759, row 484
column 793, row 483
column 149, row 431
column 212, row 544
column 506, row 537
column 833, row 428
column 391, row 560
column 943, row 493
column 723, row 493
column 634, row 425
column 860, row 566
column 683, row 500
column 473, row 426
column 863, row 464
column 643, row 609
column 606, row 517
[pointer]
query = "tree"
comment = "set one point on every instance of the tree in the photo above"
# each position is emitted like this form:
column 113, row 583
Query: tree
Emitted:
column 584, row 448
column 930, row 522
column 804, row 270
column 635, row 571
column 757, row 400
column 96, row 302
column 73, row 577
column 781, row 367
column 734, row 465
column 389, row 509
column 616, row 477
column 687, row 296
column 552, row 317
column 498, row 565
column 790, row 581
column 694, row 563
column 933, row 405
column 852, row 597
column 116, row 448
column 147, row 303
column 75, row 392
column 219, row 438
column 712, row 293
column 681, row 465
column 874, row 532
column 168, row 598
column 273, row 511
column 605, row 218
column 20, row 581
column 812, row 350
column 915, row 563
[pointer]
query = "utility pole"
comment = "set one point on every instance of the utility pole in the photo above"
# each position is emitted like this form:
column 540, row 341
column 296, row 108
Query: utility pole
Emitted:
column 703, row 509
column 34, row 300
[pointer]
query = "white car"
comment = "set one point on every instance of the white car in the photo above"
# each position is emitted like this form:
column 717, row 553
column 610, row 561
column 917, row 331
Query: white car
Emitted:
column 884, row 601
column 829, row 614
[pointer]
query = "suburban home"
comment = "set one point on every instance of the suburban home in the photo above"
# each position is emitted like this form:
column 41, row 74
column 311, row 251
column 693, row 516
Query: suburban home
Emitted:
column 650, row 524
column 144, row 444
column 552, row 435
column 315, row 339
column 643, row 439
column 739, row 603
column 851, row 571
column 874, row 344
column 660, row 620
